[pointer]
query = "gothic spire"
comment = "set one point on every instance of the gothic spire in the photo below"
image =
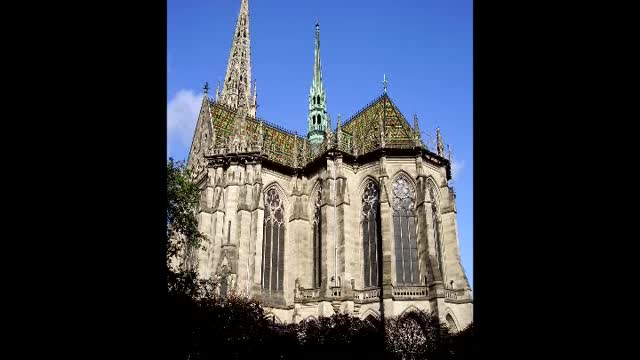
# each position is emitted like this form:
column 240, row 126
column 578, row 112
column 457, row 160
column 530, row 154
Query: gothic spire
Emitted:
column 237, row 82
column 317, row 68
column 317, row 118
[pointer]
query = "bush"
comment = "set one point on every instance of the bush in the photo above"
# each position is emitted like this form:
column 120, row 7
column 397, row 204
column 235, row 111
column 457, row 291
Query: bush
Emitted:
column 236, row 327
column 417, row 335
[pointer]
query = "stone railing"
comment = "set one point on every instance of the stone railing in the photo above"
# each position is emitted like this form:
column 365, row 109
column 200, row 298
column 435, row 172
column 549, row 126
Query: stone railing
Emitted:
column 450, row 294
column 336, row 291
column 366, row 294
column 405, row 292
column 307, row 294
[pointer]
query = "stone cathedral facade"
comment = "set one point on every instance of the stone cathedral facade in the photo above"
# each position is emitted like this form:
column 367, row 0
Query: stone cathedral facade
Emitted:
column 356, row 219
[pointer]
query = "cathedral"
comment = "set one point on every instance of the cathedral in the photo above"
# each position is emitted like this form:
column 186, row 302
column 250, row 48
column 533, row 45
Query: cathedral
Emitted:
column 358, row 218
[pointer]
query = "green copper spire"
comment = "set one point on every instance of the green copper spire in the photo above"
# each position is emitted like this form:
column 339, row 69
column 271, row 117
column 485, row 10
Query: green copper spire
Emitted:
column 317, row 99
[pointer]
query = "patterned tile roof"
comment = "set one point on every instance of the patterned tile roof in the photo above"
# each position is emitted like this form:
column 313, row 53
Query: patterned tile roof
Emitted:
column 366, row 125
column 279, row 145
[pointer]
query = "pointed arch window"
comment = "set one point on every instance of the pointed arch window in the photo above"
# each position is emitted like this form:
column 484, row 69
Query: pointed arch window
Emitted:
column 273, row 243
column 317, row 244
column 404, row 229
column 369, row 224
column 451, row 324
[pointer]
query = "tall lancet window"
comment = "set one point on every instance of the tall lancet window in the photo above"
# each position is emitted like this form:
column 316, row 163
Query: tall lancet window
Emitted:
column 317, row 230
column 273, row 244
column 435, row 220
column 404, row 229
column 369, row 220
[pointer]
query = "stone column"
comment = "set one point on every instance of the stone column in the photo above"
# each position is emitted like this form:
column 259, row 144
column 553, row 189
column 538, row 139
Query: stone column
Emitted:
column 299, row 223
column 386, row 231
column 204, row 226
column 342, row 202
column 297, row 262
column 451, row 244
column 245, row 194
column 218, row 206
column 328, row 223
column 257, row 220
column 230, row 230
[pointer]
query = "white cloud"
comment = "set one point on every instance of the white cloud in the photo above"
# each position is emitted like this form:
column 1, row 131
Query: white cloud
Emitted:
column 182, row 114
column 456, row 168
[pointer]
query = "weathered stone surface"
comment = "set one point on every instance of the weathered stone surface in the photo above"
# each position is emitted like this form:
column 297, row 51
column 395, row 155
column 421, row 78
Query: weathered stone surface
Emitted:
column 236, row 168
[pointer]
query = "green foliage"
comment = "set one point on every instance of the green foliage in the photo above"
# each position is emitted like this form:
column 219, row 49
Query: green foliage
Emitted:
column 463, row 343
column 338, row 335
column 183, row 197
column 417, row 335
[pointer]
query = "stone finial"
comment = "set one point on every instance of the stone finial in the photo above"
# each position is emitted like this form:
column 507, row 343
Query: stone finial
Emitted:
column 213, row 139
column 295, row 150
column 255, row 93
column 439, row 140
column 304, row 152
column 416, row 130
column 218, row 91
column 329, row 133
column 260, row 134
column 339, row 133
column 206, row 88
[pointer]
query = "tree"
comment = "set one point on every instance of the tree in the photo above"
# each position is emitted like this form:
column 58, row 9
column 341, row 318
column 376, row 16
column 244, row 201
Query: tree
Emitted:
column 183, row 197
column 183, row 236
column 418, row 335
column 463, row 343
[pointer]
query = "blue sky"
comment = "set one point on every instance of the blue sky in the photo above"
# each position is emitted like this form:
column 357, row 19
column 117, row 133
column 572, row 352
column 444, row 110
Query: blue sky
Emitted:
column 425, row 48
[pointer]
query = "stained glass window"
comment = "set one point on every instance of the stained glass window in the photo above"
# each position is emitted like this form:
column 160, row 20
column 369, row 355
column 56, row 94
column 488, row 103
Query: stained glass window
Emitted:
column 273, row 244
column 369, row 220
column 404, row 229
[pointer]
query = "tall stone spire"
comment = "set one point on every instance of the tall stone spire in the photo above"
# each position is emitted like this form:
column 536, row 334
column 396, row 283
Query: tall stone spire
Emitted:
column 237, row 82
column 317, row 99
